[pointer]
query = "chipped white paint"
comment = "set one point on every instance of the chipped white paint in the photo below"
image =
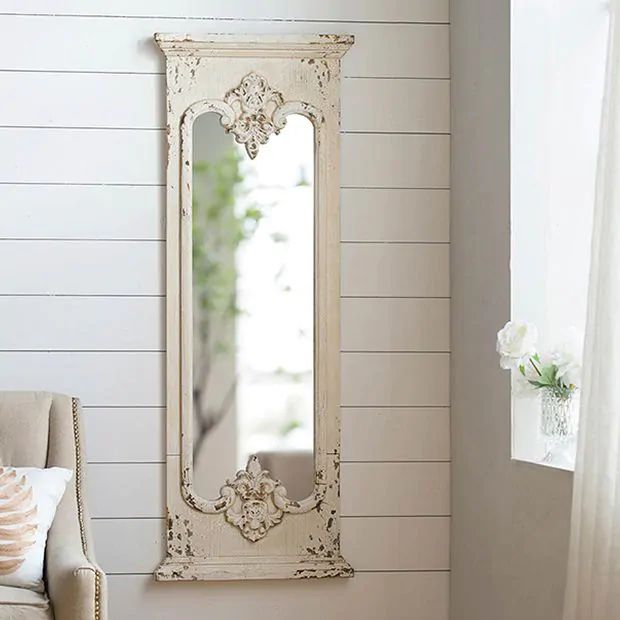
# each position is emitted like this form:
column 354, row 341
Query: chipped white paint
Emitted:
column 253, row 530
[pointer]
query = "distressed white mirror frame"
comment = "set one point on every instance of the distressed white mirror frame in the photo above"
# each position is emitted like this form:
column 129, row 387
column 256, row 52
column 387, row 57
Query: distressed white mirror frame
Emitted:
column 253, row 530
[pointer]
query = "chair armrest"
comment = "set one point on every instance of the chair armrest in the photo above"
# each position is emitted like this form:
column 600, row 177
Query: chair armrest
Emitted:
column 76, row 586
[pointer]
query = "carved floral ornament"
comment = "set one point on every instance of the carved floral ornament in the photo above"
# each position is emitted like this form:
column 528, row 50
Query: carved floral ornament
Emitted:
column 252, row 112
column 254, row 103
column 253, row 501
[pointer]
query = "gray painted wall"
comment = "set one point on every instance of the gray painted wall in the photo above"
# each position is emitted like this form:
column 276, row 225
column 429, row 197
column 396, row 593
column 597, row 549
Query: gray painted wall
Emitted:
column 510, row 520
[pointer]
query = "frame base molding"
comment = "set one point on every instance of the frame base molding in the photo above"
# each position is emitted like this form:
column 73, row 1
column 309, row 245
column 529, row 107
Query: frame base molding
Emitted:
column 194, row 569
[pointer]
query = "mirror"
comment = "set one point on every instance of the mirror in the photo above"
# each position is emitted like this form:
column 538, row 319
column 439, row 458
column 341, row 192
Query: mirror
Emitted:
column 253, row 306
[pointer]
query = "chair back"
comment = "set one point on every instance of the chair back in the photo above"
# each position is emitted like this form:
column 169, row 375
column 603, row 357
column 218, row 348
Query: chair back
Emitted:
column 37, row 429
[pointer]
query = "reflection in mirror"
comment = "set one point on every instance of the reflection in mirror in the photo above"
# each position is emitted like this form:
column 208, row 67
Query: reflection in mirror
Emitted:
column 253, row 306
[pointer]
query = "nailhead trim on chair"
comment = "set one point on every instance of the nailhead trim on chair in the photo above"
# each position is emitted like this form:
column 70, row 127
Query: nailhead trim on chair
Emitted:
column 78, row 495
column 97, row 595
column 78, row 472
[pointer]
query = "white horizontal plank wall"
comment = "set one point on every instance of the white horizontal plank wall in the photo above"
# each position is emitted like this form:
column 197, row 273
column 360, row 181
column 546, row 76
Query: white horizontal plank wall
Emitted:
column 82, row 283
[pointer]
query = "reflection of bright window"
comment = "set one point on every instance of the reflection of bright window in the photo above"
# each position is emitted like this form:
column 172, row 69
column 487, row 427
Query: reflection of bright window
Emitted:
column 275, row 267
column 253, row 304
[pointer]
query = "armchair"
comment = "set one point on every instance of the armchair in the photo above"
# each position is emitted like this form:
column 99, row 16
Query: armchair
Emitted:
column 39, row 429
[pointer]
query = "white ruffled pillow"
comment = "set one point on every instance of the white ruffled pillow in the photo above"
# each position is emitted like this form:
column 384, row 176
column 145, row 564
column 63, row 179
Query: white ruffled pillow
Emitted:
column 28, row 501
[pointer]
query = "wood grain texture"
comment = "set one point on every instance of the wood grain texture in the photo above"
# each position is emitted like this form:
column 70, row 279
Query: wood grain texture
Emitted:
column 369, row 596
column 400, row 543
column 86, row 268
column 81, row 212
column 137, row 101
column 401, row 434
column 395, row 215
column 110, row 212
column 118, row 156
column 81, row 268
column 97, row 323
column 376, row 489
column 415, row 50
column 132, row 491
column 407, row 270
column 395, row 379
column 392, row 543
column 110, row 323
column 84, row 100
column 64, row 61
column 104, row 379
column 389, row 324
column 142, row 490
column 357, row 10
column 396, row 105
column 368, row 434
column 397, row 161
column 135, row 378
column 114, row 156
column 142, row 438
column 144, row 548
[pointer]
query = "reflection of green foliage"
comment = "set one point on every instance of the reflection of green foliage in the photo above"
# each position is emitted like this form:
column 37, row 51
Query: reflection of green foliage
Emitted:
column 281, row 423
column 222, row 219
column 218, row 229
column 288, row 427
column 303, row 179
column 293, row 377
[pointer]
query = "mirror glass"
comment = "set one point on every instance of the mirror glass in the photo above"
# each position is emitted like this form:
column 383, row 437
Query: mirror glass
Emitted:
column 253, row 306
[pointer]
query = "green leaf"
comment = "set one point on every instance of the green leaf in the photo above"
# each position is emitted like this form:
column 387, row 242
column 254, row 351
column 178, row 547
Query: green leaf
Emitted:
column 548, row 375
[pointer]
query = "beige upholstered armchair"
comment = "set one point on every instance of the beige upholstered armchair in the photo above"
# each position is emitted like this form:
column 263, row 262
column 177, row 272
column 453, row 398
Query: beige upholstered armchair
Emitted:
column 39, row 429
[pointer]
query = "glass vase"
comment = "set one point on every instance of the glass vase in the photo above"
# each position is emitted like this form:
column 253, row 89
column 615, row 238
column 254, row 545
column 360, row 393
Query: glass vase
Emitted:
column 558, row 420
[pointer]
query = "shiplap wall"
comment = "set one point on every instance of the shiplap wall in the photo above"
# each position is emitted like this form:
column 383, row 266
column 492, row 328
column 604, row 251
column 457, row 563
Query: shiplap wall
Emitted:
column 82, row 283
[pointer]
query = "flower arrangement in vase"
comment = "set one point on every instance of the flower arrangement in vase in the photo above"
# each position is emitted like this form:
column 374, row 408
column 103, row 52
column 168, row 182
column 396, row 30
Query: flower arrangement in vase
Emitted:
column 555, row 374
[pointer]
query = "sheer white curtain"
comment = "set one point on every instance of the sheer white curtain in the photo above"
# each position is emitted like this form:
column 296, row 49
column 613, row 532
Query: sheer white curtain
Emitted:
column 593, row 584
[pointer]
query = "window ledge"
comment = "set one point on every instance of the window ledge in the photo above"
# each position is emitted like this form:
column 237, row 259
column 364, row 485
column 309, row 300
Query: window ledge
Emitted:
column 568, row 465
column 527, row 443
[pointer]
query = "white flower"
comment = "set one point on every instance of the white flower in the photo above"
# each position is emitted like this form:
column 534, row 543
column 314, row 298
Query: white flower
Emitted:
column 521, row 387
column 567, row 357
column 515, row 342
